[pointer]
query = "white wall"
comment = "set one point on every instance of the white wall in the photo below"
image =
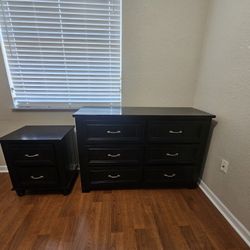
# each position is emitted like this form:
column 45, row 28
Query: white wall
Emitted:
column 161, row 50
column 224, row 89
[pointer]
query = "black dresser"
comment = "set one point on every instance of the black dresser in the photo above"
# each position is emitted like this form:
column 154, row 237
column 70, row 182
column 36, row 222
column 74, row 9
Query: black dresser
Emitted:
column 41, row 158
column 137, row 146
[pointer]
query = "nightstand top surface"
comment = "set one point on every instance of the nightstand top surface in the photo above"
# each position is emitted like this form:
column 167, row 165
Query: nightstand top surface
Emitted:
column 142, row 111
column 40, row 133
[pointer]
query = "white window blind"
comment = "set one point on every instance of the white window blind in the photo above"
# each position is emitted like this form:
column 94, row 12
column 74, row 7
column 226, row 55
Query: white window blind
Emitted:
column 62, row 53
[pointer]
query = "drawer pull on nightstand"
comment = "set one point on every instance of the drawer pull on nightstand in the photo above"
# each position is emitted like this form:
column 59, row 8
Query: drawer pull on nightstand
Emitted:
column 114, row 176
column 36, row 177
column 169, row 175
column 114, row 156
column 172, row 155
column 31, row 156
column 175, row 132
column 113, row 132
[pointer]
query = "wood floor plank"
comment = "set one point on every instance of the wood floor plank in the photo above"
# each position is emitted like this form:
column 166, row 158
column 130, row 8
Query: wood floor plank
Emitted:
column 146, row 241
column 40, row 242
column 190, row 237
column 154, row 219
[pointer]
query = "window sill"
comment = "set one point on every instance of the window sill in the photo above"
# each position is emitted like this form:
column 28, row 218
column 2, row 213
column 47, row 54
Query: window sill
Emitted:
column 45, row 109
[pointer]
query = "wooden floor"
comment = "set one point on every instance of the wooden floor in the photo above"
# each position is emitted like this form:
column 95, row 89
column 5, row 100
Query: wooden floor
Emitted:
column 120, row 219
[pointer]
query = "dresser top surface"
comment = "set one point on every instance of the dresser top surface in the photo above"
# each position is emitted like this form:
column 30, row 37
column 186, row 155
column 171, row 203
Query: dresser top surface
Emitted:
column 40, row 133
column 142, row 111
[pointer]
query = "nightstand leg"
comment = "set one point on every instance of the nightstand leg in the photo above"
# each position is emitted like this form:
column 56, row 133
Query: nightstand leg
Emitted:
column 20, row 192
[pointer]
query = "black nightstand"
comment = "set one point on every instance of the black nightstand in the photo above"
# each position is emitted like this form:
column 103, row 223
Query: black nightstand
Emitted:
column 41, row 158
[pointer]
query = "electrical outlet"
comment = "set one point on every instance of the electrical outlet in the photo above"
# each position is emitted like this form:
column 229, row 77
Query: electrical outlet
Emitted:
column 224, row 165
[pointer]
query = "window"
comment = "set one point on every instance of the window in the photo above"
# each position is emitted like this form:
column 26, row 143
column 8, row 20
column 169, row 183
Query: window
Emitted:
column 62, row 53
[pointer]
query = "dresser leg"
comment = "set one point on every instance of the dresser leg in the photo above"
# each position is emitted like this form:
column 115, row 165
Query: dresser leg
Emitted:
column 85, row 185
column 193, row 185
column 85, row 189
column 66, row 192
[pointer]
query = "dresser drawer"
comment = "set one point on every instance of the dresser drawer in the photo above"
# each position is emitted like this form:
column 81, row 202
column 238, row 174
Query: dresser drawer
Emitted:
column 172, row 154
column 176, row 131
column 39, row 176
column 111, row 155
column 168, row 174
column 113, row 132
column 115, row 176
column 32, row 154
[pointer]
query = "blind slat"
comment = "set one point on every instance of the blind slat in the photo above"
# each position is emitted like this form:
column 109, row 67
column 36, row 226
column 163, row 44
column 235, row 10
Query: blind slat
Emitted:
column 107, row 2
column 85, row 50
column 70, row 67
column 82, row 45
column 84, row 27
column 26, row 19
column 80, row 84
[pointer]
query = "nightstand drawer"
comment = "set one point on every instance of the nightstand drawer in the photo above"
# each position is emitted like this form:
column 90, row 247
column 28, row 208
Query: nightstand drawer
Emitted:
column 111, row 155
column 113, row 132
column 38, row 177
column 32, row 154
column 172, row 154
column 170, row 174
column 115, row 176
column 174, row 131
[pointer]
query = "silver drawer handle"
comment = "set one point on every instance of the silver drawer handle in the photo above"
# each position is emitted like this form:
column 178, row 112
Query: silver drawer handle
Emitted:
column 175, row 132
column 172, row 155
column 36, row 177
column 113, row 132
column 114, row 156
column 114, row 176
column 31, row 156
column 169, row 175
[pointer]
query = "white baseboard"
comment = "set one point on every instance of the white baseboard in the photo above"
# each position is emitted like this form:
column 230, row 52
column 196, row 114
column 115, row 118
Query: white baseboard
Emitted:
column 233, row 221
column 3, row 169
